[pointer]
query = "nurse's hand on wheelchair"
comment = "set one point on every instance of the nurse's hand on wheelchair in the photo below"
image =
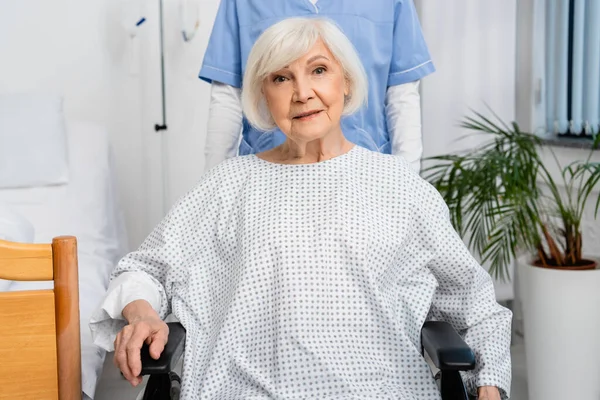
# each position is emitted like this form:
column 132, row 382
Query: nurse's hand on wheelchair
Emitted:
column 145, row 326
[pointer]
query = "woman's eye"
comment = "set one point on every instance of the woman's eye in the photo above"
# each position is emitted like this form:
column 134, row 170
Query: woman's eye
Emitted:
column 319, row 70
column 279, row 79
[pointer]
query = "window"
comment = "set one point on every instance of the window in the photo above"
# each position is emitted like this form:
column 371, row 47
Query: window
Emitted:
column 558, row 67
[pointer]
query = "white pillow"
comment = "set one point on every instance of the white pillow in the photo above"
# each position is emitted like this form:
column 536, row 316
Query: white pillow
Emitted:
column 16, row 228
column 33, row 144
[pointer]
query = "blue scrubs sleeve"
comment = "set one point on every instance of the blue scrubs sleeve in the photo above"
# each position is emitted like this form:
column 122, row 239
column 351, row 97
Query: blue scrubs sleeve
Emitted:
column 410, row 57
column 222, row 60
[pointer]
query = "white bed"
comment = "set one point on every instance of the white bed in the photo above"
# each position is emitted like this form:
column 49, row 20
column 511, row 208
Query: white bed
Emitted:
column 87, row 208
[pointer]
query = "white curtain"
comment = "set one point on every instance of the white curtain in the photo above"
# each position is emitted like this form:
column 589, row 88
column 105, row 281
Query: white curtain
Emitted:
column 572, row 64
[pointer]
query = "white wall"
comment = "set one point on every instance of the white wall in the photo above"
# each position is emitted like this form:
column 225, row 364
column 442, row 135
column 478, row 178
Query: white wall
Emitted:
column 472, row 44
column 82, row 50
column 178, row 152
column 188, row 97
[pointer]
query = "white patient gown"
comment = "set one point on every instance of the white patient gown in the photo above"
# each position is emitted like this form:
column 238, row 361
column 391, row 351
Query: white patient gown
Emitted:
column 312, row 282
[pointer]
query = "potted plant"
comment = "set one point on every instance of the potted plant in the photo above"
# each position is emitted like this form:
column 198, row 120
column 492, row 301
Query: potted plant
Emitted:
column 508, row 204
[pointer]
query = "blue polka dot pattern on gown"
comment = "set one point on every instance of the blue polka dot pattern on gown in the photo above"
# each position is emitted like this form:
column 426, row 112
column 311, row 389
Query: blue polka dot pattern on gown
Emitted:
column 313, row 281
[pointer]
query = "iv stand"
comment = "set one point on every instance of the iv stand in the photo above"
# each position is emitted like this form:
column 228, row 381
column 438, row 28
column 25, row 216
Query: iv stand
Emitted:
column 163, row 127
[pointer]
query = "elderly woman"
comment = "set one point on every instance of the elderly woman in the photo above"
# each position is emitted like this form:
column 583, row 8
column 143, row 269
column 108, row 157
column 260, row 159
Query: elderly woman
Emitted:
column 308, row 270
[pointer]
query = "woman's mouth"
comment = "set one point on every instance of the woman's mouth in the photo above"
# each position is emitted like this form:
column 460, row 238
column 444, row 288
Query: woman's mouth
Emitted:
column 307, row 115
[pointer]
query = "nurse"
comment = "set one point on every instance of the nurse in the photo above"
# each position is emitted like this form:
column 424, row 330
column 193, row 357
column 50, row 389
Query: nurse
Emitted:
column 388, row 38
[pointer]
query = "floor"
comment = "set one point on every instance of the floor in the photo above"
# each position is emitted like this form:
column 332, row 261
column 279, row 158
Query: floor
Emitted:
column 519, row 370
column 112, row 386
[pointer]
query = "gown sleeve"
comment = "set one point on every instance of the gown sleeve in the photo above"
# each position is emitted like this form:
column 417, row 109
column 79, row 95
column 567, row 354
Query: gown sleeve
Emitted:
column 153, row 271
column 465, row 297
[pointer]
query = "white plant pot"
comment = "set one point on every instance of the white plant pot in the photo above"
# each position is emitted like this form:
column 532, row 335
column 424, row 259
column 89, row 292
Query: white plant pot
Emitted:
column 561, row 316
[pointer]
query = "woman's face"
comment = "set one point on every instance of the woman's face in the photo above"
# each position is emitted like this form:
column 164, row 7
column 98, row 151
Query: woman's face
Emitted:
column 306, row 98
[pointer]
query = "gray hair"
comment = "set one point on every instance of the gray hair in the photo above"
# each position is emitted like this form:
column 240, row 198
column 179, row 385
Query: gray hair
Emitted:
column 282, row 44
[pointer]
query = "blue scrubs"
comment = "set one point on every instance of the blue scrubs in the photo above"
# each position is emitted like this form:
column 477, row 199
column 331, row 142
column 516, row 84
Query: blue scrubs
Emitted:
column 386, row 33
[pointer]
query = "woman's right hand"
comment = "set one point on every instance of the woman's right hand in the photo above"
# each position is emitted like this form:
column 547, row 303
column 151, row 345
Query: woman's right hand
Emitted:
column 145, row 326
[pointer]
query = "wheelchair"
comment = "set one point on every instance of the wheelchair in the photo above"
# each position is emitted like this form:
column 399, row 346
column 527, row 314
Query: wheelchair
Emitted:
column 444, row 346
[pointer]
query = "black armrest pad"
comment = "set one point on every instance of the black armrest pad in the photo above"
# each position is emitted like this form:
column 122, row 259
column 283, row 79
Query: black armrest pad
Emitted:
column 447, row 349
column 170, row 355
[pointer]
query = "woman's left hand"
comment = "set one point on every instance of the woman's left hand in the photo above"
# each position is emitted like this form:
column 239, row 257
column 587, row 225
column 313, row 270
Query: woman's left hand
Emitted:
column 488, row 393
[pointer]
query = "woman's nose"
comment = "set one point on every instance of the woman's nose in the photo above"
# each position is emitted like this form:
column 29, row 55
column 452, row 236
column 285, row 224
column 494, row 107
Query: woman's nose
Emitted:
column 303, row 91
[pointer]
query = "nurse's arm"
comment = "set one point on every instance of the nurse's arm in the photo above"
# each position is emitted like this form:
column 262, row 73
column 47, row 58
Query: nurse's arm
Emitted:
column 403, row 114
column 224, row 124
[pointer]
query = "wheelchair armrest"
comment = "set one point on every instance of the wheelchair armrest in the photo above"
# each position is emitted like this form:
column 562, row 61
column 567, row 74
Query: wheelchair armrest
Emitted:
column 170, row 355
column 446, row 348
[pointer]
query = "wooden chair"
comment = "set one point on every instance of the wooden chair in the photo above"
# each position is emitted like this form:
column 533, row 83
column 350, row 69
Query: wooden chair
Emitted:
column 40, row 350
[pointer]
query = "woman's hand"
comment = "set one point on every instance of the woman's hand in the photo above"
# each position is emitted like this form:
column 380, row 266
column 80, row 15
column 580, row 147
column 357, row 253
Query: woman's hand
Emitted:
column 488, row 393
column 145, row 326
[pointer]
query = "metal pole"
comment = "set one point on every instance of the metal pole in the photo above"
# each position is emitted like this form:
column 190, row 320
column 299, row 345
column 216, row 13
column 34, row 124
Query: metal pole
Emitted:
column 158, row 127
column 164, row 145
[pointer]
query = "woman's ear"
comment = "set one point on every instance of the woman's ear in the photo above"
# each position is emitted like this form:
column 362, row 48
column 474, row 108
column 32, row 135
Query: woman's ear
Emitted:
column 346, row 91
column 263, row 95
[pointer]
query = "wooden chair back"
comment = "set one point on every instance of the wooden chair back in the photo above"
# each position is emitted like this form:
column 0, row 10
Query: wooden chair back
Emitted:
column 40, row 349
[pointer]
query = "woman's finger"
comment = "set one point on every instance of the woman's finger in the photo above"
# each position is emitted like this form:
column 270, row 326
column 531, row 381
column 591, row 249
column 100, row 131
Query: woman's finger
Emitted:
column 159, row 340
column 121, row 353
column 116, row 343
column 134, row 346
